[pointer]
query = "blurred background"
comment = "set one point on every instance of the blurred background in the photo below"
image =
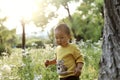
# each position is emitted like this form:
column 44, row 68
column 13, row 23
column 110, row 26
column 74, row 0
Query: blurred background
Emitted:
column 85, row 18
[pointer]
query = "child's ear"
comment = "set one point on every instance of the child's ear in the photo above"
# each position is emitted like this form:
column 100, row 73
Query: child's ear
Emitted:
column 69, row 36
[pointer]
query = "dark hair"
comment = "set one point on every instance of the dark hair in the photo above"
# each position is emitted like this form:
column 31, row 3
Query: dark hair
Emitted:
column 64, row 28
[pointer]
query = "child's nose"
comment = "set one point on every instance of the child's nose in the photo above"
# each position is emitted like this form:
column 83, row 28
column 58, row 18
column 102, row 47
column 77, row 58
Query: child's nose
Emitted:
column 58, row 40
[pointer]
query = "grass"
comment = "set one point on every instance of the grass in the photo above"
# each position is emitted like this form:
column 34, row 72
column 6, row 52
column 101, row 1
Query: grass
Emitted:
column 30, row 65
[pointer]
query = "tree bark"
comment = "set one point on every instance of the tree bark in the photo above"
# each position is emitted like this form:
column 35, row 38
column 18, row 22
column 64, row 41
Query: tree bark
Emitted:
column 110, row 60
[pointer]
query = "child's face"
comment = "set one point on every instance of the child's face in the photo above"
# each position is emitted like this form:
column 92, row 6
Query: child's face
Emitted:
column 62, row 38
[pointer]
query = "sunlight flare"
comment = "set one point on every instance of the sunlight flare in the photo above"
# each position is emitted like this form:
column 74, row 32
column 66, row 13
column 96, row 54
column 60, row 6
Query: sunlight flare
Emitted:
column 18, row 8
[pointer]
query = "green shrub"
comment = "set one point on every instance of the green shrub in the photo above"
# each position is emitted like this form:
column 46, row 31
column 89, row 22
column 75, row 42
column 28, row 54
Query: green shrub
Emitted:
column 2, row 49
column 6, row 49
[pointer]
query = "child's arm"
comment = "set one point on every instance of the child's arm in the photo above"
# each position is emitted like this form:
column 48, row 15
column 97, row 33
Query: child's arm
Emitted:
column 78, row 69
column 50, row 62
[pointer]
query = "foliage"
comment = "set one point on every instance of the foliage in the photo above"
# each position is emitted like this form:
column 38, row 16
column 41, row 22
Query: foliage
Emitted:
column 58, row 3
column 5, row 50
column 51, row 36
column 7, row 37
column 26, row 71
column 86, row 23
column 35, row 59
column 43, row 14
column 2, row 49
column 37, row 43
column 32, row 43
column 87, row 20
column 92, row 53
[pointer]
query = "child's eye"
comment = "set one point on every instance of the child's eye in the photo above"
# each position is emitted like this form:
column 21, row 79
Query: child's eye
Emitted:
column 62, row 37
column 56, row 38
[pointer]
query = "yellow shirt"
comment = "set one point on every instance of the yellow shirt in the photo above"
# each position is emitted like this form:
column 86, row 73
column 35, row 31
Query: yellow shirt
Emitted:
column 67, row 58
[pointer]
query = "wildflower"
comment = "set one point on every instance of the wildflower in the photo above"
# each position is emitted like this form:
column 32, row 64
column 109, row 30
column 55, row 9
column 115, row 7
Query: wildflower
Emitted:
column 6, row 68
column 38, row 77
column 4, row 54
column 25, row 53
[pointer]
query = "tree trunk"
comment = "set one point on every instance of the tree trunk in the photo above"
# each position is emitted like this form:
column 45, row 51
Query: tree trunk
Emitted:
column 110, row 60
column 23, row 34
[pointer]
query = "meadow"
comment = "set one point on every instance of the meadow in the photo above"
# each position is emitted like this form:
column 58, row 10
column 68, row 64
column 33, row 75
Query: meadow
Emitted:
column 29, row 64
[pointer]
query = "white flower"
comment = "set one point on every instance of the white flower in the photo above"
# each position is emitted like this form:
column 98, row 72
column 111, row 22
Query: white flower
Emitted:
column 4, row 54
column 37, row 77
column 6, row 68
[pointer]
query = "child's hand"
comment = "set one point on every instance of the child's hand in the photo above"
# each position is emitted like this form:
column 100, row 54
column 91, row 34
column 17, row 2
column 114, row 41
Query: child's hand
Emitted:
column 78, row 69
column 50, row 62
column 77, row 72
column 46, row 63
